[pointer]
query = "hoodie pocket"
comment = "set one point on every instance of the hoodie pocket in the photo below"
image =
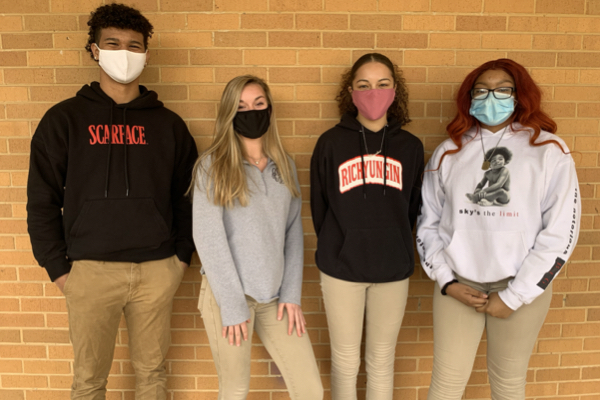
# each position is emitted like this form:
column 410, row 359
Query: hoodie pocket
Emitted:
column 487, row 256
column 112, row 225
column 373, row 255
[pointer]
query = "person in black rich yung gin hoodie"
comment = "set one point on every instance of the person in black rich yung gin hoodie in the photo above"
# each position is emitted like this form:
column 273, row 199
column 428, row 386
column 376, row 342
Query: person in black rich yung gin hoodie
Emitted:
column 365, row 195
column 107, row 215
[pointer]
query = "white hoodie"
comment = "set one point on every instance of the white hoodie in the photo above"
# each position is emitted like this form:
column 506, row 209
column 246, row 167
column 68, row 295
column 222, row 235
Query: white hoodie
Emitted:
column 528, row 233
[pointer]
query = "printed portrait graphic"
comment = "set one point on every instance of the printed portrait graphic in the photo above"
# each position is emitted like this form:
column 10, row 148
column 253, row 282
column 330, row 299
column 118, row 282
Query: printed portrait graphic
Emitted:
column 494, row 188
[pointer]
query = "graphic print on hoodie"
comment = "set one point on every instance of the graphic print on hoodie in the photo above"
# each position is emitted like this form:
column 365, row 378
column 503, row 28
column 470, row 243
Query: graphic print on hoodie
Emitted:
column 496, row 178
column 363, row 221
column 120, row 171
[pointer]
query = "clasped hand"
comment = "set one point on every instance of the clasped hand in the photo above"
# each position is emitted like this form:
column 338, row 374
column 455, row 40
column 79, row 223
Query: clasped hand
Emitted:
column 235, row 333
column 490, row 304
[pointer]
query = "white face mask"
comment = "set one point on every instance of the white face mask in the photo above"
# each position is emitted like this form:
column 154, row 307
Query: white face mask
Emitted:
column 123, row 66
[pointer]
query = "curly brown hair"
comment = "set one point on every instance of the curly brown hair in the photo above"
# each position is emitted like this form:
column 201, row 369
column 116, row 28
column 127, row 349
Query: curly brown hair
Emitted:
column 399, row 107
column 116, row 16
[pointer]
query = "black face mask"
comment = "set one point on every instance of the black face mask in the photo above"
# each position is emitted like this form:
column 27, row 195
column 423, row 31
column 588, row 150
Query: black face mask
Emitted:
column 252, row 124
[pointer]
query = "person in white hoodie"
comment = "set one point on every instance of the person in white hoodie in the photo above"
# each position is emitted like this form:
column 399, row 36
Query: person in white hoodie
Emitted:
column 499, row 219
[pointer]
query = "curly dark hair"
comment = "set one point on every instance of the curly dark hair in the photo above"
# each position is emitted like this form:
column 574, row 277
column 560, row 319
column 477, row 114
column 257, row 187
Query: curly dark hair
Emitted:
column 503, row 151
column 399, row 107
column 117, row 16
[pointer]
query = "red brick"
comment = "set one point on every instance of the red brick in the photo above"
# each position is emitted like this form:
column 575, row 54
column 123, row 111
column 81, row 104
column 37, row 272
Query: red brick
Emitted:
column 586, row 25
column 504, row 6
column 27, row 41
column 296, row 5
column 406, row 5
column 241, row 5
column 321, row 22
column 267, row 21
column 186, row 5
column 534, row 59
column 465, row 6
column 324, row 57
column 560, row 7
column 213, row 22
column 50, row 22
column 245, row 39
column 402, row 40
column 24, row 6
column 477, row 24
column 428, row 23
column 348, row 40
column 346, row 6
column 370, row 22
column 12, row 23
column 13, row 58
column 79, row 6
column 294, row 39
column 28, row 76
column 579, row 59
column 533, row 24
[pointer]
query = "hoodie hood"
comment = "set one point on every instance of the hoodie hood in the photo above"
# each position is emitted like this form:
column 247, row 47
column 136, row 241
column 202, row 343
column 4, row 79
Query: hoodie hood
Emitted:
column 350, row 122
column 147, row 98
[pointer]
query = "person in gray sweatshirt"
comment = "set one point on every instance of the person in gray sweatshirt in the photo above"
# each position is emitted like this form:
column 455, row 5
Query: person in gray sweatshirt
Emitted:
column 247, row 228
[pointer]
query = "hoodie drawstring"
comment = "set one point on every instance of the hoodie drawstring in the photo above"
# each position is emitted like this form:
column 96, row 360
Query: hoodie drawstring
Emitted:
column 384, row 162
column 125, row 156
column 362, row 160
column 108, row 158
column 365, row 149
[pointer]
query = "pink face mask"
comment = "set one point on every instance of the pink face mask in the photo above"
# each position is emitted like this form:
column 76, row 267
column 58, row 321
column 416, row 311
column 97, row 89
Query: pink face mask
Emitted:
column 373, row 104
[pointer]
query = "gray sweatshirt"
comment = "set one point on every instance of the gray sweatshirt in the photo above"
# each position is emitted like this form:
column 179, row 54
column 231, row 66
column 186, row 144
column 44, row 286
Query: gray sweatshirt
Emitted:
column 256, row 250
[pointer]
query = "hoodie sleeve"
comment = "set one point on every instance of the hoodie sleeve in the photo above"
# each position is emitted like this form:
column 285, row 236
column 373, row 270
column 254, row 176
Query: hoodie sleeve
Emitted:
column 554, row 244
column 318, row 187
column 429, row 243
column 415, row 194
column 213, row 248
column 291, row 286
column 182, row 207
column 45, row 195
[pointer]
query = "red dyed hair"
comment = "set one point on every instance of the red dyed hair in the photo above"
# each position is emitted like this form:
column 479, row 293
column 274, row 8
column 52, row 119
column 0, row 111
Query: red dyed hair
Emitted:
column 527, row 109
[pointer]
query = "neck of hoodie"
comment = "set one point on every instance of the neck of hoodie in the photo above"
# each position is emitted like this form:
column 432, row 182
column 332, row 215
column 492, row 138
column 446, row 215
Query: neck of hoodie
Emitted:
column 119, row 92
column 373, row 126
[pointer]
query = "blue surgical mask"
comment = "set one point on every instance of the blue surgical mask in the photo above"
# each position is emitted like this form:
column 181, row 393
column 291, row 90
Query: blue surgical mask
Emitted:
column 492, row 111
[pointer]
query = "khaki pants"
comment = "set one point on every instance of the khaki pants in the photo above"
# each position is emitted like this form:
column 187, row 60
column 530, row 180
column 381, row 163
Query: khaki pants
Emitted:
column 457, row 331
column 97, row 294
column 293, row 355
column 345, row 304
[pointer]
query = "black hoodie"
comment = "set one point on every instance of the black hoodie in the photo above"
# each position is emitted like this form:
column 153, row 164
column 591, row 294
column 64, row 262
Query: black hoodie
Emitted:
column 107, row 182
column 364, row 221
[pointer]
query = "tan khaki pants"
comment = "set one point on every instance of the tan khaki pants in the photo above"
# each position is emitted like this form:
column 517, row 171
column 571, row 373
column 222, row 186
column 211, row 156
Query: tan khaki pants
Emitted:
column 457, row 331
column 345, row 304
column 97, row 294
column 293, row 355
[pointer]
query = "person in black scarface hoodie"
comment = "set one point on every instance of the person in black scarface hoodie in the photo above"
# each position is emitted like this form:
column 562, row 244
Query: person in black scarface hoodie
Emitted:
column 107, row 214
column 365, row 195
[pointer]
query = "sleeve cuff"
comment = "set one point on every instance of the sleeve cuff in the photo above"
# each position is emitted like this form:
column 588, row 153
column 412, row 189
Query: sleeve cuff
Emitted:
column 234, row 317
column 290, row 299
column 510, row 299
column 184, row 252
column 443, row 275
column 57, row 267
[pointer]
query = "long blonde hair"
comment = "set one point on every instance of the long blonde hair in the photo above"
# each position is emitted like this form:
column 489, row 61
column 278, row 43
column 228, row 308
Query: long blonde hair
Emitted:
column 226, row 175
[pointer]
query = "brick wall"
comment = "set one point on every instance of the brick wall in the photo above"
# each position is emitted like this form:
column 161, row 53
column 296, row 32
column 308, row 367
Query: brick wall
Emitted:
column 300, row 47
